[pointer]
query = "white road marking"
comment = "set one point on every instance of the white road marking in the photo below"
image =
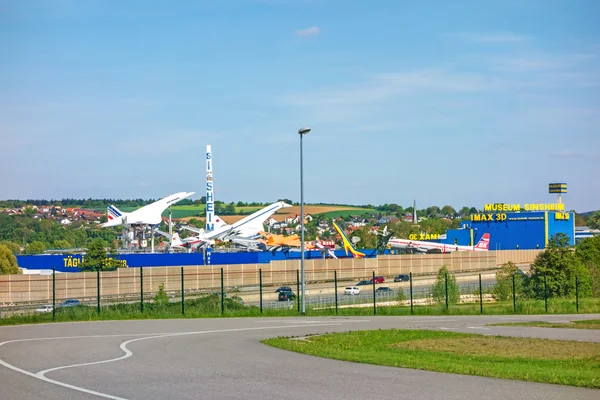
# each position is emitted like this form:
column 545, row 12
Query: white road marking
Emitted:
column 478, row 327
column 41, row 375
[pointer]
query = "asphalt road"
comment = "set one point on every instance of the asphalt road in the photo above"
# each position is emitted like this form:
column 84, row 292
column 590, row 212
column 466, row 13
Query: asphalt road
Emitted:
column 224, row 359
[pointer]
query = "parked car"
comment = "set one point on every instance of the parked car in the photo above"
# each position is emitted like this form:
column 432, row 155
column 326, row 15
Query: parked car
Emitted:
column 283, row 289
column 286, row 295
column 364, row 283
column 69, row 303
column 44, row 308
column 377, row 279
column 352, row 290
column 384, row 290
column 402, row 278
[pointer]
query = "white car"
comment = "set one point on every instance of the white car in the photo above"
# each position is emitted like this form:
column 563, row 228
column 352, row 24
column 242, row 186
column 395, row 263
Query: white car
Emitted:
column 44, row 308
column 352, row 290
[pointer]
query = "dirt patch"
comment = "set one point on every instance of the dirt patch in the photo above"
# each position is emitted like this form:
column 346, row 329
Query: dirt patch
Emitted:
column 507, row 347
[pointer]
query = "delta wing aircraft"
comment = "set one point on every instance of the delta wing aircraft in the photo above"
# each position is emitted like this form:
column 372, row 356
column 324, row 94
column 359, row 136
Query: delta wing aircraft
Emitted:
column 147, row 215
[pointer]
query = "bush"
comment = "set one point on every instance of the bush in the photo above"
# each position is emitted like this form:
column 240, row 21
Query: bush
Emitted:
column 161, row 297
column 401, row 296
column 559, row 265
column 439, row 288
column 503, row 290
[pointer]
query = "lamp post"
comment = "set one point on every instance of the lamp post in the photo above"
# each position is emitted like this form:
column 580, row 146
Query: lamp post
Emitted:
column 302, row 132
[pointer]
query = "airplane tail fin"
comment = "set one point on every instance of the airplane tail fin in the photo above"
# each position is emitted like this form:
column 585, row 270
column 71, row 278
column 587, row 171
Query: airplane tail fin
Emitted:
column 347, row 245
column 176, row 240
column 113, row 212
column 484, row 243
column 219, row 222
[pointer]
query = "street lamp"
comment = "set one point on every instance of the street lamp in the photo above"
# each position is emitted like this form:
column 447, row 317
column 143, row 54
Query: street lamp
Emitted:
column 302, row 132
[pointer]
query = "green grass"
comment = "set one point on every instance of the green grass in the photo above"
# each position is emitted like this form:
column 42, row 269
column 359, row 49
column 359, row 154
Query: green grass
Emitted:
column 586, row 324
column 203, row 307
column 537, row 360
column 210, row 306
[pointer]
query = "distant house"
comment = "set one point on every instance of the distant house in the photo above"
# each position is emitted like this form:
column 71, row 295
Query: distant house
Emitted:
column 359, row 222
column 271, row 222
column 307, row 218
column 65, row 221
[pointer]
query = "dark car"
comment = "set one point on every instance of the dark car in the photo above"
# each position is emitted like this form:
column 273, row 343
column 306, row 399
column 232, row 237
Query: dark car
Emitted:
column 69, row 303
column 283, row 289
column 384, row 290
column 402, row 278
column 286, row 296
column 378, row 279
column 364, row 283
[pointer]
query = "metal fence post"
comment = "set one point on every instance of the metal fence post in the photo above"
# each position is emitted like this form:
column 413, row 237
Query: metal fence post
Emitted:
column 222, row 293
column 546, row 293
column 261, row 289
column 514, row 295
column 480, row 296
column 53, row 293
column 336, row 290
column 98, row 286
column 298, row 289
column 446, row 279
column 411, row 292
column 142, row 289
column 182, row 294
column 577, row 293
column 374, row 300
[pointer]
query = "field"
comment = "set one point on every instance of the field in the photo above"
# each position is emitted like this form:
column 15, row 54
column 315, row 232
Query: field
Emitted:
column 537, row 360
column 331, row 211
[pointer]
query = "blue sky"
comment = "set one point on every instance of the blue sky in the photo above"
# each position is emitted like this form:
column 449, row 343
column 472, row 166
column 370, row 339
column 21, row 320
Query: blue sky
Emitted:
column 448, row 102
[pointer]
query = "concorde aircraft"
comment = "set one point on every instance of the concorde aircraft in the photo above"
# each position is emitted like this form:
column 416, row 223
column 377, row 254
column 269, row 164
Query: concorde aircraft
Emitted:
column 425, row 247
column 147, row 215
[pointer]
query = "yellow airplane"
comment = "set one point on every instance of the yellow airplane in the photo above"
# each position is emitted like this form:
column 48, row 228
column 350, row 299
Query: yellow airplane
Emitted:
column 347, row 245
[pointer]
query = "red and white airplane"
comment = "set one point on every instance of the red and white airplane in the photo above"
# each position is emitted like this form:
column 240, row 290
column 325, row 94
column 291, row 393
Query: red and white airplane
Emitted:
column 429, row 247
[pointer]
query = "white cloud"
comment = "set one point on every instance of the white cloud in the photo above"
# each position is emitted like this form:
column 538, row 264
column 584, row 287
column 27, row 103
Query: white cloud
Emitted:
column 312, row 31
column 538, row 62
column 380, row 87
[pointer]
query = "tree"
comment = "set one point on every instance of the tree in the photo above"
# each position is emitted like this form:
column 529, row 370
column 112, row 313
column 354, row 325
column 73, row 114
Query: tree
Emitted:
column 95, row 257
column 61, row 244
column 593, row 222
column 12, row 246
column 588, row 251
column 448, row 211
column 432, row 211
column 36, row 247
column 503, row 289
column 559, row 265
column 464, row 211
column 439, row 288
column 8, row 261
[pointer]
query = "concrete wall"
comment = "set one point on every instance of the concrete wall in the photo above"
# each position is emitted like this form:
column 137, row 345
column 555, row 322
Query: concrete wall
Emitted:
column 126, row 281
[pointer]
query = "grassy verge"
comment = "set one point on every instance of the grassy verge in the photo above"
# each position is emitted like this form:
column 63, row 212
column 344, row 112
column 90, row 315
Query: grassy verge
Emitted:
column 586, row 324
column 210, row 307
column 537, row 360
